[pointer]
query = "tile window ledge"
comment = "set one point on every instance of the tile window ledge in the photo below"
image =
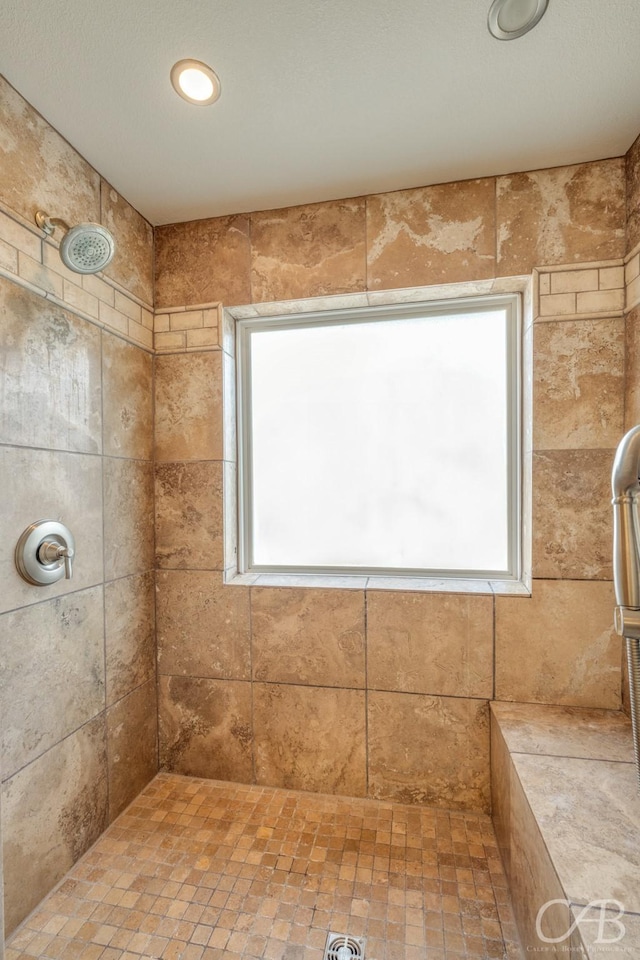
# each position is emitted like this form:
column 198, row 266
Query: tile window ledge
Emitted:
column 514, row 588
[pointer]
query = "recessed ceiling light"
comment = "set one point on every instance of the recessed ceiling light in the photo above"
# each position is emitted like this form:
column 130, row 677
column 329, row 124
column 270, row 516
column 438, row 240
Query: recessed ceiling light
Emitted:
column 195, row 82
column 509, row 19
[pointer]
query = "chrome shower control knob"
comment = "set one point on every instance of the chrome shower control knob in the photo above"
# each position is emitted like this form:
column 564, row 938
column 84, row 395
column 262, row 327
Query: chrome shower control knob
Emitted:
column 45, row 552
column 51, row 550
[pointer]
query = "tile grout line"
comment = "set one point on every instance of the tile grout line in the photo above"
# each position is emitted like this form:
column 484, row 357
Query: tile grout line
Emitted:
column 252, row 688
column 366, row 691
column 154, row 570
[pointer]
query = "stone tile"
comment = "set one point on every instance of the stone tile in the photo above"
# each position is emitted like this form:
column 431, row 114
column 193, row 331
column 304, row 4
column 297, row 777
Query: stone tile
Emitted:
column 308, row 636
column 568, row 798
column 559, row 646
column 39, row 484
column 429, row 750
column 632, row 362
column 95, row 287
column 501, row 791
column 39, row 170
column 206, row 728
column 572, row 519
column 602, row 940
column 203, row 626
column 429, row 584
column 230, row 515
column 445, row 291
column 313, row 580
column 304, row 851
column 533, row 880
column 57, row 647
column 189, row 515
column 573, row 281
column 128, row 517
column 609, row 278
column 553, row 730
column 81, row 299
column 52, row 812
column 601, row 301
column 50, row 374
column 578, row 391
column 632, row 292
column 129, row 619
column 203, row 261
column 18, row 237
column 132, row 746
column 565, row 731
column 169, row 342
column 132, row 264
column 127, row 379
column 563, row 215
column 558, row 305
column 308, row 251
column 633, row 195
column 189, row 406
column 427, row 643
column 431, row 235
column 229, row 429
column 310, row 738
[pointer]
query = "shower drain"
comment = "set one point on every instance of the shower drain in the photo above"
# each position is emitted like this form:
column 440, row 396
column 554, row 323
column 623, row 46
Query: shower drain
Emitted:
column 340, row 946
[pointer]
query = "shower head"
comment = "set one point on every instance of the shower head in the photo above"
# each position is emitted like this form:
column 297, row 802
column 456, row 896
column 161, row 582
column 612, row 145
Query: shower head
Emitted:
column 86, row 248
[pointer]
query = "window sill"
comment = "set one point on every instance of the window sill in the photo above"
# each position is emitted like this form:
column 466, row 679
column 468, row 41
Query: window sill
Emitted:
column 514, row 588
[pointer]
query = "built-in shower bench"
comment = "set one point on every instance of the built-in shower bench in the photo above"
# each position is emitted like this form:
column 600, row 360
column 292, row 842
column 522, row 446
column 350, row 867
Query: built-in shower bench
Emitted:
column 566, row 810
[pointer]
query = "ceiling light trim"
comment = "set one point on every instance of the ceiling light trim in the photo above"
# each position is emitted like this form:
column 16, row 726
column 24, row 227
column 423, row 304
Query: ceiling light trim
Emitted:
column 202, row 68
column 499, row 6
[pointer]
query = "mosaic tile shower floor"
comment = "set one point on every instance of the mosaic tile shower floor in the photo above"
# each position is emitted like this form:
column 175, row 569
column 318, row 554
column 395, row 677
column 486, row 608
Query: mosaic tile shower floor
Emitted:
column 203, row 870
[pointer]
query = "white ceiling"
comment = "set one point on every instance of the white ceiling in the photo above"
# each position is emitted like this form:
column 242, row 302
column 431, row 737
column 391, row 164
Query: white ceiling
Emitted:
column 321, row 99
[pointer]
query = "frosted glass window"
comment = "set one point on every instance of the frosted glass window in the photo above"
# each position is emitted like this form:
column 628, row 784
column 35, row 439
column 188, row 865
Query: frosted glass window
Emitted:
column 382, row 442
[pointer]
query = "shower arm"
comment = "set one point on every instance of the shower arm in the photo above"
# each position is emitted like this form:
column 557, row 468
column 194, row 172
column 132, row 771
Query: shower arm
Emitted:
column 49, row 224
column 626, row 541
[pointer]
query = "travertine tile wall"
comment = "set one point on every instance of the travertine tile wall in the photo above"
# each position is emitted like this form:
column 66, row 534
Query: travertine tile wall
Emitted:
column 374, row 692
column 355, row 692
column 77, row 660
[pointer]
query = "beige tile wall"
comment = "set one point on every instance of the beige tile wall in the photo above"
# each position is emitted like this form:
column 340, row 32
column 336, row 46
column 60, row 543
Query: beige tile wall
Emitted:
column 77, row 672
column 288, row 686
column 372, row 691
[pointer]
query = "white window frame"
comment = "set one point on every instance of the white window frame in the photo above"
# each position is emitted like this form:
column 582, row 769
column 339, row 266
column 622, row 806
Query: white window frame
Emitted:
column 512, row 303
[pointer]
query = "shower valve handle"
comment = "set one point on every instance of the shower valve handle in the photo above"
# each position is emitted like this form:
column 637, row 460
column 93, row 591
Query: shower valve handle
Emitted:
column 50, row 551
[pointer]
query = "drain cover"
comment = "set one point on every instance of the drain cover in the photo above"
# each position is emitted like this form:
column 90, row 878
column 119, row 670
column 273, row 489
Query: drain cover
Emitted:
column 340, row 946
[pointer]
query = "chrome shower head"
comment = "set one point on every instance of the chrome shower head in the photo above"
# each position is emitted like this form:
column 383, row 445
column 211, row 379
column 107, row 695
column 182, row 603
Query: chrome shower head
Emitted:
column 86, row 248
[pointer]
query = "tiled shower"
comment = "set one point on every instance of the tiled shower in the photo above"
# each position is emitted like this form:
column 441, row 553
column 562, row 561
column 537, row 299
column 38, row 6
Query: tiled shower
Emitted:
column 114, row 416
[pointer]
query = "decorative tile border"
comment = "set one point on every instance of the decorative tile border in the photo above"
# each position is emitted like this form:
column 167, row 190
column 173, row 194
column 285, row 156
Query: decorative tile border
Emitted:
column 632, row 278
column 577, row 291
column 189, row 328
column 32, row 261
column 583, row 291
